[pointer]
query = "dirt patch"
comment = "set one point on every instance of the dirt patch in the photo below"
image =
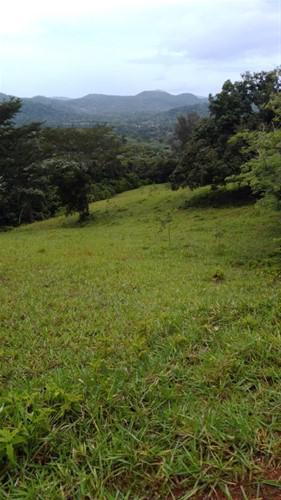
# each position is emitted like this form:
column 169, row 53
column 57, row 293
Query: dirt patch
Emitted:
column 266, row 487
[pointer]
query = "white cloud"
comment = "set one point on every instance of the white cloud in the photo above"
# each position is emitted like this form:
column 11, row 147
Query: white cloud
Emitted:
column 74, row 47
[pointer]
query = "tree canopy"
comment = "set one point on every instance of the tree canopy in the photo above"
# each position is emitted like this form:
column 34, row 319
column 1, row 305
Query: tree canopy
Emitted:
column 207, row 155
column 25, row 191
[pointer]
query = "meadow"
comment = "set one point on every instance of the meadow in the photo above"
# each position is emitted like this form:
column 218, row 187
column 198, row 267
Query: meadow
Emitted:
column 140, row 353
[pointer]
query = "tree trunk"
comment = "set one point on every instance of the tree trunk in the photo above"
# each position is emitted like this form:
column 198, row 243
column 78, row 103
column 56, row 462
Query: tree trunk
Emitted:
column 84, row 214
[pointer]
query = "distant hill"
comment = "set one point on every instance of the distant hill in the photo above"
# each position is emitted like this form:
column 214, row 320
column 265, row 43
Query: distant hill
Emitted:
column 157, row 126
column 128, row 114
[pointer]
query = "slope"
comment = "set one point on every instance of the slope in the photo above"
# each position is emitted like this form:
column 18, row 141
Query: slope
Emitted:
column 140, row 354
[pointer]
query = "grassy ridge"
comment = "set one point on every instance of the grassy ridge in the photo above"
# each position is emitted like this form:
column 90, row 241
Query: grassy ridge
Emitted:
column 140, row 354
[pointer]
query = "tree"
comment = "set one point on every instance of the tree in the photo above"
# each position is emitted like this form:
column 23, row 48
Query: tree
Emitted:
column 262, row 172
column 184, row 127
column 25, row 190
column 242, row 104
column 208, row 156
column 73, row 180
column 198, row 159
column 145, row 162
column 78, row 159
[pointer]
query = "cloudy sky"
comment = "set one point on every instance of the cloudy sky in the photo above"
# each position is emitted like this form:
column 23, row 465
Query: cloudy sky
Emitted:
column 75, row 47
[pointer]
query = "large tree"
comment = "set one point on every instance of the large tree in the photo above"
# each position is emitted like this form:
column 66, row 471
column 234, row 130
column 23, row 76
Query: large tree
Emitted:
column 208, row 156
column 262, row 172
column 25, row 190
column 78, row 159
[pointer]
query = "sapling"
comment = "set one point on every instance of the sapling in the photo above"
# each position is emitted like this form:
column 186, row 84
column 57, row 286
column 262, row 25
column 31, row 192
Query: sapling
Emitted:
column 166, row 223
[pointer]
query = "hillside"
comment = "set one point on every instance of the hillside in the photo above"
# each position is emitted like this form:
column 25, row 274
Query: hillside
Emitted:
column 140, row 353
column 127, row 113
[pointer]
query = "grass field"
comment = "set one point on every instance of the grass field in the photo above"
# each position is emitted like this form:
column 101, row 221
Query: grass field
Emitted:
column 141, row 354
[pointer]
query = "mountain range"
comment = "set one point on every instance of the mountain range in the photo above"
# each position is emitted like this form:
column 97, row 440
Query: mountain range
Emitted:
column 130, row 113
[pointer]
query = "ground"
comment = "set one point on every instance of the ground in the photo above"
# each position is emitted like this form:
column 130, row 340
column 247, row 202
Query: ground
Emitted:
column 140, row 353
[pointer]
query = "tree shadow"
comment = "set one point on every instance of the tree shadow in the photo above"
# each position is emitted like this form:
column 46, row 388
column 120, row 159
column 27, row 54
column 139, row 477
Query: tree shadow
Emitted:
column 221, row 198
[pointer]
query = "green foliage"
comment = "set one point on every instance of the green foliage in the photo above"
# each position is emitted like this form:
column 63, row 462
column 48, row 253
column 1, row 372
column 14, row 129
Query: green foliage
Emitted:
column 30, row 421
column 43, row 170
column 149, row 162
column 9, row 442
column 263, row 171
column 25, row 191
column 184, row 127
column 73, row 180
column 77, row 160
column 199, row 163
column 8, row 110
column 208, row 155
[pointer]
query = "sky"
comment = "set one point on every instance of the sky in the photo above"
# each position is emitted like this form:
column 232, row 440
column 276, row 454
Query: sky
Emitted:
column 77, row 47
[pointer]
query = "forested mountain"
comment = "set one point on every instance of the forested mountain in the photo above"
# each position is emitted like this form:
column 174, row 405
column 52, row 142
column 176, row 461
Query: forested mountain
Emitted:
column 130, row 114
column 156, row 126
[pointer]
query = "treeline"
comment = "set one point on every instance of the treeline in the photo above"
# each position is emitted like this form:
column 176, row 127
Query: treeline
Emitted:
column 240, row 140
column 44, row 170
column 47, row 170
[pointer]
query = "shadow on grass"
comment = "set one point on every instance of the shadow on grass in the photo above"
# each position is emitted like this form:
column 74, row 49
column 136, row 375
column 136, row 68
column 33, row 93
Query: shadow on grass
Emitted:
column 221, row 198
column 106, row 216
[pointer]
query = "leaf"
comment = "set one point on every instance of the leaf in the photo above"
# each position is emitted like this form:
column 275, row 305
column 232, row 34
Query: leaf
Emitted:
column 10, row 453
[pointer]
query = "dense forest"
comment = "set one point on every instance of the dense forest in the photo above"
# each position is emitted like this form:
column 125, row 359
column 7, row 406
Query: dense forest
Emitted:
column 45, row 170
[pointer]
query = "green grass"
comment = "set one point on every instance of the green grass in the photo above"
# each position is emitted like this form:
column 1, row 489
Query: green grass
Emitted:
column 134, row 366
